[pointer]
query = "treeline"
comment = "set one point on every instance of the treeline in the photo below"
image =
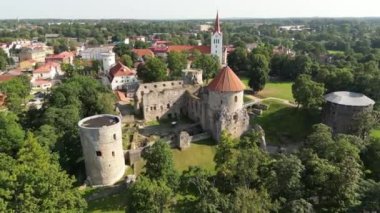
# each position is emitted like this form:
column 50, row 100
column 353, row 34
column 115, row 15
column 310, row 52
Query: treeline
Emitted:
column 328, row 174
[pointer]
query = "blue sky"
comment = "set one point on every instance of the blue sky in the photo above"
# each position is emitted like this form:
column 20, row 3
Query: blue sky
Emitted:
column 191, row 9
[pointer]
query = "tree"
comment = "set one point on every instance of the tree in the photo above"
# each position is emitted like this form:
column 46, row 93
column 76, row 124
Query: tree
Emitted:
column 3, row 60
column 208, row 63
column 176, row 63
column 148, row 195
column 247, row 200
column 298, row 206
column 126, row 60
column 121, row 49
column 307, row 93
column 371, row 159
column 16, row 90
column 37, row 183
column 11, row 133
column 159, row 164
column 153, row 70
column 259, row 72
column 284, row 179
column 238, row 59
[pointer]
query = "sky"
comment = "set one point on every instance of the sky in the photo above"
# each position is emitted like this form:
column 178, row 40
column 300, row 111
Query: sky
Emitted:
column 190, row 9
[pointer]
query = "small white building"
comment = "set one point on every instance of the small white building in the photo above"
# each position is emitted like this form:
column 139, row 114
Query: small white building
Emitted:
column 45, row 76
column 95, row 53
column 122, row 77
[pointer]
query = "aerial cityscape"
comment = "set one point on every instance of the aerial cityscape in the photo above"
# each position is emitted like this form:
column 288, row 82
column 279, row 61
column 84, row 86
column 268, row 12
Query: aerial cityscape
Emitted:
column 157, row 107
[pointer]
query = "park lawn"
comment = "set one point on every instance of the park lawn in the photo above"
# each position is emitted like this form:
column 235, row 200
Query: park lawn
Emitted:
column 199, row 154
column 281, row 90
column 286, row 124
column 375, row 133
column 335, row 52
column 112, row 204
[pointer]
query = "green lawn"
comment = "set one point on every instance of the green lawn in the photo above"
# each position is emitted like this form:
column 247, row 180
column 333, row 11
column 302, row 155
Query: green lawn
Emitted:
column 375, row 133
column 281, row 90
column 285, row 124
column 335, row 52
column 199, row 154
column 113, row 204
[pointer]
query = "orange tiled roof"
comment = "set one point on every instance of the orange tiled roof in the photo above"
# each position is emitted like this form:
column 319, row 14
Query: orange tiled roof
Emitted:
column 143, row 52
column 61, row 55
column 46, row 67
column 121, row 70
column 226, row 81
column 183, row 48
column 6, row 77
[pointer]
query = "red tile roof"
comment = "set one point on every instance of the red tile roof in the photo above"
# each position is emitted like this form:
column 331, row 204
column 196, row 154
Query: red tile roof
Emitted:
column 41, row 82
column 226, row 81
column 189, row 48
column 46, row 67
column 6, row 77
column 61, row 55
column 121, row 70
column 143, row 52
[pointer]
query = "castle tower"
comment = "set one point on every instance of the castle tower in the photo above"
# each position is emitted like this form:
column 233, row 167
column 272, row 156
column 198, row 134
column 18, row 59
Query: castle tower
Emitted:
column 226, row 105
column 217, row 40
column 108, row 61
column 101, row 140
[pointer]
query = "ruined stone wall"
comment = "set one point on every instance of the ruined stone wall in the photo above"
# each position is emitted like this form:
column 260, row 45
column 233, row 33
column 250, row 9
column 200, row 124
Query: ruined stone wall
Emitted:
column 154, row 87
column 163, row 105
column 341, row 118
column 102, row 151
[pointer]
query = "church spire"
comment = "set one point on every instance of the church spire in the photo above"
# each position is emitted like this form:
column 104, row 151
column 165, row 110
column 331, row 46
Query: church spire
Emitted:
column 217, row 24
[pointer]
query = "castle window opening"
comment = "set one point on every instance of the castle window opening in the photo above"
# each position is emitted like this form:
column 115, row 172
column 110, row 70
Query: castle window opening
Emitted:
column 151, row 108
column 113, row 154
column 236, row 98
column 168, row 106
column 155, row 86
column 155, row 108
column 164, row 85
column 145, row 87
column 235, row 118
column 173, row 84
column 98, row 153
column 114, row 136
column 142, row 93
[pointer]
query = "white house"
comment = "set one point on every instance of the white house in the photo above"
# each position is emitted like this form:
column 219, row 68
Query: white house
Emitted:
column 122, row 77
column 47, row 71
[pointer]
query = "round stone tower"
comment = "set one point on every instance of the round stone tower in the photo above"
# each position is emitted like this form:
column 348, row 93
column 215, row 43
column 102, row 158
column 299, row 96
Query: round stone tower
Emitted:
column 101, row 140
column 225, row 103
column 226, row 92
column 109, row 61
column 343, row 108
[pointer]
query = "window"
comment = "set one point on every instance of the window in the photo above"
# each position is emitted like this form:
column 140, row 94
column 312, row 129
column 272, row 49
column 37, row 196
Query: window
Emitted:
column 168, row 106
column 155, row 86
column 164, row 85
column 114, row 136
column 155, row 108
column 98, row 153
column 142, row 93
column 113, row 154
column 236, row 98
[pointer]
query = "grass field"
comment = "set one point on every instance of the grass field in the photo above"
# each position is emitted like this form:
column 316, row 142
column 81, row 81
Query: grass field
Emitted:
column 285, row 124
column 199, row 154
column 376, row 133
column 281, row 90
column 335, row 52
column 113, row 204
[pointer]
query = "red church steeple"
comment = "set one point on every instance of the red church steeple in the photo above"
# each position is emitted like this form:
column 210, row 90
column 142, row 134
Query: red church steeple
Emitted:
column 217, row 24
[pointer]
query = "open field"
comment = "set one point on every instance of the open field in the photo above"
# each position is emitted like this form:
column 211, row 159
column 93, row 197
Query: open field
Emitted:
column 113, row 204
column 199, row 154
column 281, row 90
column 285, row 124
column 375, row 133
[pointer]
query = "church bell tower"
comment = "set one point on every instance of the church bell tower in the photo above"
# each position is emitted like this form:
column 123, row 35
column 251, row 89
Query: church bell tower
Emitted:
column 217, row 40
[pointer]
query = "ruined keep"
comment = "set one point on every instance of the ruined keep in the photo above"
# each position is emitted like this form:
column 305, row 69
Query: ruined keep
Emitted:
column 342, row 108
column 216, row 107
column 101, row 140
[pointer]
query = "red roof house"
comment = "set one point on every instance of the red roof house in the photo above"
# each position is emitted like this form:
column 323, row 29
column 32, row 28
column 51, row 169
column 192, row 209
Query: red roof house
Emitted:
column 226, row 81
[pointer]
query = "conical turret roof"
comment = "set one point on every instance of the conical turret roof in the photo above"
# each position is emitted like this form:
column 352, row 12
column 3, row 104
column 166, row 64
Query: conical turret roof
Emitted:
column 226, row 81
